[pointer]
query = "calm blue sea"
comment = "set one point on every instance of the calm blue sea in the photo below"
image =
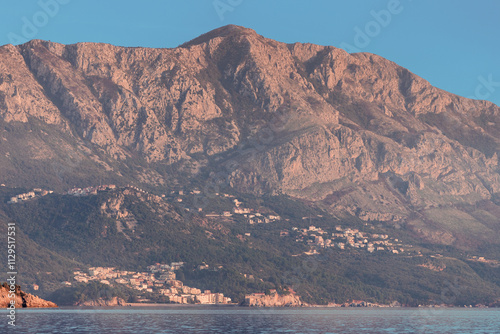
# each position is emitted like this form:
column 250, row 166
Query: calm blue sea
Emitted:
column 176, row 319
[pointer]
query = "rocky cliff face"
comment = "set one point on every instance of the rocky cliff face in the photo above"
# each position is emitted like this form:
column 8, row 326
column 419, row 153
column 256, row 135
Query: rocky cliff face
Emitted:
column 114, row 301
column 355, row 133
column 273, row 300
column 23, row 299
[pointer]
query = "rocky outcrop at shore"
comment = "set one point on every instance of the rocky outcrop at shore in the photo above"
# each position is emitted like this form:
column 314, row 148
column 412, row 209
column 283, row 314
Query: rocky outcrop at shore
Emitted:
column 22, row 298
column 273, row 300
column 115, row 301
column 362, row 303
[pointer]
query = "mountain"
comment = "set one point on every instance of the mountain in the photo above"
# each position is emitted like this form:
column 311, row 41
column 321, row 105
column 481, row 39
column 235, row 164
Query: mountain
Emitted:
column 350, row 135
column 356, row 133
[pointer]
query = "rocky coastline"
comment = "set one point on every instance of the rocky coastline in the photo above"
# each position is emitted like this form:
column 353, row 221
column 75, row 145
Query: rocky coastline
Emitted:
column 273, row 300
column 115, row 301
column 22, row 299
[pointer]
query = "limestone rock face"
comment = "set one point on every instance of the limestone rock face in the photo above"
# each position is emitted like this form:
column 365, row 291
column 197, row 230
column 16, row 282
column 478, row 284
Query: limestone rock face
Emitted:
column 273, row 300
column 22, row 299
column 355, row 133
column 35, row 301
column 114, row 301
column 20, row 95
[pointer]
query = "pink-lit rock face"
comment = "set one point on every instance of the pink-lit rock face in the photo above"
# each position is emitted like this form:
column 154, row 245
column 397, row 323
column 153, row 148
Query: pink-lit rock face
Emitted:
column 22, row 299
column 355, row 132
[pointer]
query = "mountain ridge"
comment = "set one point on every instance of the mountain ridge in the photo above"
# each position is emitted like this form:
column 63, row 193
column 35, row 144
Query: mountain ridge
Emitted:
column 353, row 133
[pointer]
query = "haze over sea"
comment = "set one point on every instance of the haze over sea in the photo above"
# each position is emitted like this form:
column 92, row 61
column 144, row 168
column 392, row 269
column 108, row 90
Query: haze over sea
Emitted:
column 176, row 319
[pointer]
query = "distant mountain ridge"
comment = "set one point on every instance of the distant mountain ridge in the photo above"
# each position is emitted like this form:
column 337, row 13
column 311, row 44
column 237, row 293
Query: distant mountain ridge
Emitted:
column 352, row 133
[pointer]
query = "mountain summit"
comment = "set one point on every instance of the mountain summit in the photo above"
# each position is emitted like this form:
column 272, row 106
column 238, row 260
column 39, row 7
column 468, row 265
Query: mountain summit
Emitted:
column 352, row 133
column 230, row 30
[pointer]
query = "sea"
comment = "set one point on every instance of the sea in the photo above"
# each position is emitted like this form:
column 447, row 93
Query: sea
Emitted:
column 201, row 319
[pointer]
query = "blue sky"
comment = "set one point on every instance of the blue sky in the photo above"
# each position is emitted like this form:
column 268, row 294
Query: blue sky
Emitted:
column 453, row 44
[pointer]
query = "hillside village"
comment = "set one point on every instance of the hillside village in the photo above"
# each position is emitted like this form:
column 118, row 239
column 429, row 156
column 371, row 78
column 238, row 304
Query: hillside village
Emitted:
column 37, row 192
column 315, row 237
column 175, row 196
column 159, row 282
column 343, row 238
column 159, row 279
column 251, row 216
column 89, row 190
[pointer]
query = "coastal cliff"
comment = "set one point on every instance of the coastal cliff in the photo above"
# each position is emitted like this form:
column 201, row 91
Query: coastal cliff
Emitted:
column 273, row 300
column 23, row 299
column 115, row 301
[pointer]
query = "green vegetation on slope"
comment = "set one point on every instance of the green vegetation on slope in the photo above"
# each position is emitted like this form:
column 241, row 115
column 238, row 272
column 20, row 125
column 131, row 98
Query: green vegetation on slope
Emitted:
column 66, row 232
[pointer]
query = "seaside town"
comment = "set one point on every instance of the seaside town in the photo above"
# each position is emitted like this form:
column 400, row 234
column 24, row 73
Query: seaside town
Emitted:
column 160, row 279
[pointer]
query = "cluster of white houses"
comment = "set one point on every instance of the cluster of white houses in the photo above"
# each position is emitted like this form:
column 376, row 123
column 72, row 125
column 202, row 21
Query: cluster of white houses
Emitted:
column 89, row 190
column 343, row 238
column 253, row 217
column 160, row 279
column 37, row 192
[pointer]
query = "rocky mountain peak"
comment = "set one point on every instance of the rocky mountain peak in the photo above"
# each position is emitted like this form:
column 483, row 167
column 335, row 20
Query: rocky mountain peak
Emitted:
column 227, row 31
column 354, row 132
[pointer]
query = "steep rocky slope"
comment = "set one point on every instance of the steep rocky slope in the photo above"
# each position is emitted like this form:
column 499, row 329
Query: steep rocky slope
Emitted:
column 353, row 133
column 22, row 298
column 273, row 300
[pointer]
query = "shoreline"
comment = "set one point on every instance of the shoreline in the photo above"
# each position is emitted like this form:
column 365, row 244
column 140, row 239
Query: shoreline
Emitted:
column 173, row 305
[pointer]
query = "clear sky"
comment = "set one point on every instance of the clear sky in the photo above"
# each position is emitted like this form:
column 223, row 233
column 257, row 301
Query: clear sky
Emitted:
column 454, row 44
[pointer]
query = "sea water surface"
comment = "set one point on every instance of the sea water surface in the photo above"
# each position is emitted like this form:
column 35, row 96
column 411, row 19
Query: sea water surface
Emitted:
column 199, row 319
